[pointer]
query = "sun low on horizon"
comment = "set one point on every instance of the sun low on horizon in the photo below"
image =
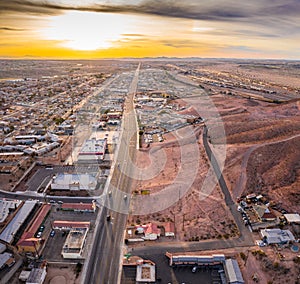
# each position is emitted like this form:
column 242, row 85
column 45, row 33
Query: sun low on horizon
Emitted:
column 54, row 29
column 86, row 31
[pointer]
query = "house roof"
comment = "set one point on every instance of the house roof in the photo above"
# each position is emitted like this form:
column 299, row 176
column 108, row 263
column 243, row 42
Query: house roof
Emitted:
column 169, row 227
column 269, row 215
column 30, row 242
column 152, row 229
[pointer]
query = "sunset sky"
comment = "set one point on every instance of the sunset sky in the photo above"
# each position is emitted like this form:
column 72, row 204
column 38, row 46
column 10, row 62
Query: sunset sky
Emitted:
column 149, row 28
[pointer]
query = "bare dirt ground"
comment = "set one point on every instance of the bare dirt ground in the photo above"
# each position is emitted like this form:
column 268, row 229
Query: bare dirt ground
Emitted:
column 269, row 267
column 192, row 216
column 262, row 149
column 61, row 275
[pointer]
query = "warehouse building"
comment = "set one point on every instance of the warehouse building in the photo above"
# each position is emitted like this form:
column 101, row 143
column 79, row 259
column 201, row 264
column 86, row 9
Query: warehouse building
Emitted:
column 233, row 272
column 11, row 229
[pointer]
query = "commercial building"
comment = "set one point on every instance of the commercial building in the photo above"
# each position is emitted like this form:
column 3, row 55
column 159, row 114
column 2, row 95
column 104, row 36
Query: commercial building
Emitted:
column 27, row 242
column 79, row 207
column 92, row 150
column 73, row 182
column 145, row 272
column 277, row 236
column 11, row 229
column 233, row 272
column 74, row 243
column 196, row 259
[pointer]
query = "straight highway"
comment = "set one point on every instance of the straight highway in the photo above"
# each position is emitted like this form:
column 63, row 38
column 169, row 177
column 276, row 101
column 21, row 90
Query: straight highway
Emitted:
column 103, row 266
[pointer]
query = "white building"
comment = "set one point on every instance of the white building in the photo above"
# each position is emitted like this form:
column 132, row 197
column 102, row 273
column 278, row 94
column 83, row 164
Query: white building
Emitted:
column 277, row 236
column 74, row 243
column 292, row 218
column 92, row 149
column 233, row 272
column 73, row 182
column 145, row 272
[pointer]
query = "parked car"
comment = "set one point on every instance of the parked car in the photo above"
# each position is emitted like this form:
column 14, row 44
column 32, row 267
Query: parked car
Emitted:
column 52, row 233
column 42, row 228
column 39, row 234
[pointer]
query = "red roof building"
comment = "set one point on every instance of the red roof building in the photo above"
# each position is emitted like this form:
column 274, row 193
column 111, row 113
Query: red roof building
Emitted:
column 169, row 229
column 27, row 242
column 79, row 207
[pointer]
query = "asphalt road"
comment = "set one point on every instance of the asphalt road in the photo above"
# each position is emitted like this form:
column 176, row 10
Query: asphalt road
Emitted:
column 104, row 264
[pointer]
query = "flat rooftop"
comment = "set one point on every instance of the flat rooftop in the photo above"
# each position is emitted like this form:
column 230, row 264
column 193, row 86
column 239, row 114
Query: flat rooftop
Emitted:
column 145, row 273
column 75, row 239
column 93, row 147
column 5, row 206
column 14, row 225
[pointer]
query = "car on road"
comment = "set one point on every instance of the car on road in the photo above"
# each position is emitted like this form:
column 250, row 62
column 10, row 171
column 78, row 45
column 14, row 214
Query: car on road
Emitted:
column 52, row 201
column 52, row 233
column 108, row 218
column 60, row 202
column 194, row 269
column 125, row 197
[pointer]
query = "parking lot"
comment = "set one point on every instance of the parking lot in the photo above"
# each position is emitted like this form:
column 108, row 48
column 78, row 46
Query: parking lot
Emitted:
column 54, row 244
column 177, row 275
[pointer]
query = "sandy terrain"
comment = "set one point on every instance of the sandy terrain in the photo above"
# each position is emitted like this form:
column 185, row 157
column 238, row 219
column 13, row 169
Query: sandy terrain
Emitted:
column 262, row 149
column 64, row 274
column 192, row 216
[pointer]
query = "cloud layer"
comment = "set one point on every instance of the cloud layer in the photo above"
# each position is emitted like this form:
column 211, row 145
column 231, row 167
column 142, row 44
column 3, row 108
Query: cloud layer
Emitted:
column 256, row 25
column 192, row 9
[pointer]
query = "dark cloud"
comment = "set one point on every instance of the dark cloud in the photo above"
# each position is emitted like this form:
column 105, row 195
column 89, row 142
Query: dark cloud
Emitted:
column 218, row 10
column 11, row 29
